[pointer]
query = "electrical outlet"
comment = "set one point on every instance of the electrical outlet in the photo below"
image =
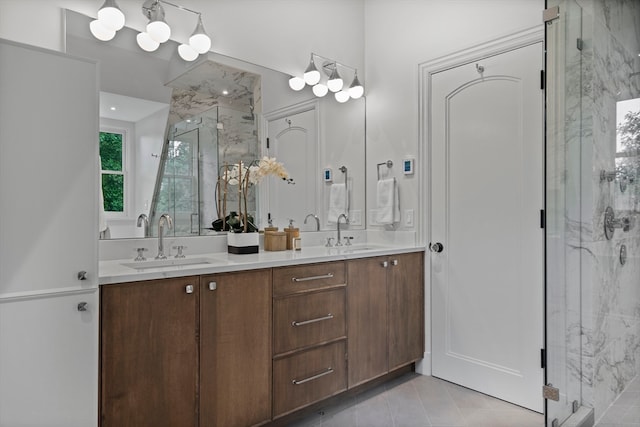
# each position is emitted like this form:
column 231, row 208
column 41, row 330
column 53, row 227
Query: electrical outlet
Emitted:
column 355, row 217
column 408, row 217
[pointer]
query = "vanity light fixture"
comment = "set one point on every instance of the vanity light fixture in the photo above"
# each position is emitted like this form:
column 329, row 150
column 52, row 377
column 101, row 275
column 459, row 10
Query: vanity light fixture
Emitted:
column 334, row 81
column 111, row 19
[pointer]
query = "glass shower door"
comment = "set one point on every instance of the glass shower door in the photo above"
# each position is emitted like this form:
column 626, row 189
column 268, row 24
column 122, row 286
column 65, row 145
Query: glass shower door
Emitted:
column 563, row 211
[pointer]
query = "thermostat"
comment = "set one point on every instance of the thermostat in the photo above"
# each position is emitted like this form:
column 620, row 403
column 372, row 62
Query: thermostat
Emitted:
column 407, row 166
column 328, row 175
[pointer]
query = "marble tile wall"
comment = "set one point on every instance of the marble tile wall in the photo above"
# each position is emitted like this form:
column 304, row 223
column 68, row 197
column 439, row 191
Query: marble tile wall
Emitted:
column 610, row 291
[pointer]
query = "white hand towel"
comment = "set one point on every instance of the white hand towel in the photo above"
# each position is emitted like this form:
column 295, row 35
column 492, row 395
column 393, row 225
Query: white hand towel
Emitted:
column 388, row 201
column 337, row 202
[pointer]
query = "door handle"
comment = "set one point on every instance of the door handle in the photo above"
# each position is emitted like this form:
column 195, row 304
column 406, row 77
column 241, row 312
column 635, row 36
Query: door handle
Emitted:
column 436, row 247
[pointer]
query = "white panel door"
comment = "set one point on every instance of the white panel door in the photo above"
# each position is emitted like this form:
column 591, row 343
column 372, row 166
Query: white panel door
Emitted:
column 487, row 193
column 292, row 140
column 48, row 234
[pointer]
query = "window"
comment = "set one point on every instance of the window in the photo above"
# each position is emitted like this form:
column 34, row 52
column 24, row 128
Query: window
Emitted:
column 113, row 172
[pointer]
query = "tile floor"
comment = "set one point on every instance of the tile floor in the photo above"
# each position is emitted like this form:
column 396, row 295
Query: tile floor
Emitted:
column 414, row 400
column 625, row 411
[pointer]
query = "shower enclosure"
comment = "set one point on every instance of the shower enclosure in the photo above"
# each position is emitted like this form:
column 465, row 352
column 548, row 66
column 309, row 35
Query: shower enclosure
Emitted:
column 592, row 206
column 195, row 149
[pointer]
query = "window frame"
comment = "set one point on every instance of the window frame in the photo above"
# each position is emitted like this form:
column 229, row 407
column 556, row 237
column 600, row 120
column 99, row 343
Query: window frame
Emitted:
column 125, row 131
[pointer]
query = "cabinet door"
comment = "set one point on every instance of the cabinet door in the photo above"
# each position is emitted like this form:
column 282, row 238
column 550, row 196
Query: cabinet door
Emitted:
column 235, row 349
column 149, row 353
column 48, row 374
column 367, row 319
column 406, row 309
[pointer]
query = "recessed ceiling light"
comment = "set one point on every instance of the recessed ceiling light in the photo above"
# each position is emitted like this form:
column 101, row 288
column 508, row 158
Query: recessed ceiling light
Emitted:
column 225, row 92
column 113, row 108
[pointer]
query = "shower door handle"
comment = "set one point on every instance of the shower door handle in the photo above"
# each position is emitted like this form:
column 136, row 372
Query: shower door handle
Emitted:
column 436, row 247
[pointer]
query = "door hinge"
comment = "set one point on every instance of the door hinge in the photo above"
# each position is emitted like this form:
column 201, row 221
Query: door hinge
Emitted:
column 579, row 43
column 267, row 143
column 549, row 392
column 542, row 79
column 543, row 221
column 543, row 358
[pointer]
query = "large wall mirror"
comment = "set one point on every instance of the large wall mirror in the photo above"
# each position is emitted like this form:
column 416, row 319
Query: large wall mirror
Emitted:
column 168, row 127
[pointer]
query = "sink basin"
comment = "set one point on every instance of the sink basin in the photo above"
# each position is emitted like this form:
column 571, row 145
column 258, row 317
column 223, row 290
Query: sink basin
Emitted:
column 359, row 248
column 168, row 263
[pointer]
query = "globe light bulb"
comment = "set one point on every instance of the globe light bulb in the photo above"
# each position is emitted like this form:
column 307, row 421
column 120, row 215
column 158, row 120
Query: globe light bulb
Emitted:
column 311, row 74
column 320, row 90
column 296, row 83
column 146, row 43
column 199, row 40
column 159, row 31
column 100, row 32
column 342, row 96
column 356, row 90
column 111, row 16
column 335, row 82
column 187, row 53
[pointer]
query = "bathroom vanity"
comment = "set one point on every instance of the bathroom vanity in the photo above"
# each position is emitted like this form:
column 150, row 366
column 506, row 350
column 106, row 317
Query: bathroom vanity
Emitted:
column 251, row 340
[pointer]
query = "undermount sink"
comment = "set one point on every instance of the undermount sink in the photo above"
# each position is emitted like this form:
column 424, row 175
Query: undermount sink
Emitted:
column 169, row 262
column 355, row 248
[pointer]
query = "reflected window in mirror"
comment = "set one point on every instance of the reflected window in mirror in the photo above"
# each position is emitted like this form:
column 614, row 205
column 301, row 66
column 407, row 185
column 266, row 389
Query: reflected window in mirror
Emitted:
column 627, row 161
column 113, row 171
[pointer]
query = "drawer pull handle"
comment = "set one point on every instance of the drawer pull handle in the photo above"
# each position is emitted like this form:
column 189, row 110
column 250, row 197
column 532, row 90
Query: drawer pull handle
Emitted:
column 306, row 322
column 314, row 377
column 304, row 279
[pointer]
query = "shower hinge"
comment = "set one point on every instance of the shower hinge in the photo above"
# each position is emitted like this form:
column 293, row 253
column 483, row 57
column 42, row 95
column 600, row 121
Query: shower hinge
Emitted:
column 542, row 218
column 550, row 14
column 267, row 143
column 542, row 79
column 579, row 43
column 543, row 358
column 549, row 392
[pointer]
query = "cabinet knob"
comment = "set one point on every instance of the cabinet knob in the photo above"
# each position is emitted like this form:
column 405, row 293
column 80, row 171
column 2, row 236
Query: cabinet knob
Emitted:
column 82, row 275
column 189, row 289
column 82, row 306
column 385, row 264
column 213, row 286
column 394, row 262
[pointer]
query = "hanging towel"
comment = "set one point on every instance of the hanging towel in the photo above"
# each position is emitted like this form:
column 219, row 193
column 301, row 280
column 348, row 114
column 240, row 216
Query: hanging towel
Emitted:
column 388, row 201
column 337, row 202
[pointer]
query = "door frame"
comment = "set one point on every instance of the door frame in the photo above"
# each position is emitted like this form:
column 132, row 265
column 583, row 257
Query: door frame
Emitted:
column 426, row 71
column 281, row 113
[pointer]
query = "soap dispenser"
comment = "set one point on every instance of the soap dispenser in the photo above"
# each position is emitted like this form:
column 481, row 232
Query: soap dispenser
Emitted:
column 292, row 233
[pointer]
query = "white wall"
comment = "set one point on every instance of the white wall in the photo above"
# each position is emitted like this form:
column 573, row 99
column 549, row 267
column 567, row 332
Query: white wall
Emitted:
column 278, row 34
column 400, row 35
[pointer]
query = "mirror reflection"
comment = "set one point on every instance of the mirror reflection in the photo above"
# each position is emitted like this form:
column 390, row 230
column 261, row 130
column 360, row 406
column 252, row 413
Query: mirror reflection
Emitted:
column 169, row 127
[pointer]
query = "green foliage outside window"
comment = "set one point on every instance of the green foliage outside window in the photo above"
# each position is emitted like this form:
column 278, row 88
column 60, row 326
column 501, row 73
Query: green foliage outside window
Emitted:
column 111, row 157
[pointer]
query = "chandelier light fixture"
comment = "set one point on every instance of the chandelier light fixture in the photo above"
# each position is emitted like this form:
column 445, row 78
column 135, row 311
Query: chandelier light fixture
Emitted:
column 328, row 78
column 111, row 20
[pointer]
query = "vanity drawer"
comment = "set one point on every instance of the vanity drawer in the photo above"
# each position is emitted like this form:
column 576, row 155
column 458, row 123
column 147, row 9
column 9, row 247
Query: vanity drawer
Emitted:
column 308, row 377
column 302, row 278
column 306, row 319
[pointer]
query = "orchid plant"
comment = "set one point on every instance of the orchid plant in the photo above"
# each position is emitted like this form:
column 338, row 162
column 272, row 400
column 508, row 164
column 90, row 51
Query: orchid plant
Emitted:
column 243, row 176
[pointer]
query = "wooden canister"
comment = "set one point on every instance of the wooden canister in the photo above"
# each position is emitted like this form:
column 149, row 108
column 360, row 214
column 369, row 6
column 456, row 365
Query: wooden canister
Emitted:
column 275, row 241
column 291, row 234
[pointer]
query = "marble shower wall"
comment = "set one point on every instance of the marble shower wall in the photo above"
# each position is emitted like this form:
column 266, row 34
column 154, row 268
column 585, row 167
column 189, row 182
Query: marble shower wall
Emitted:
column 610, row 291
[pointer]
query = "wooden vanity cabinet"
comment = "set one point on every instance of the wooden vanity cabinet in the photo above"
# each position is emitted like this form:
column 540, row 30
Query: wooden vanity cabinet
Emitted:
column 149, row 353
column 235, row 349
column 385, row 306
column 309, row 335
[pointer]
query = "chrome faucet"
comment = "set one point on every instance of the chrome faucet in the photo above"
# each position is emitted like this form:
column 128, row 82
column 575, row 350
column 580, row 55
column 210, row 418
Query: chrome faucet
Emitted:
column 164, row 219
column 143, row 219
column 346, row 221
column 314, row 216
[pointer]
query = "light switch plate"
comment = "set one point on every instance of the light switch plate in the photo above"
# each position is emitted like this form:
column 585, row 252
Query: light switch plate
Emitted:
column 355, row 217
column 408, row 218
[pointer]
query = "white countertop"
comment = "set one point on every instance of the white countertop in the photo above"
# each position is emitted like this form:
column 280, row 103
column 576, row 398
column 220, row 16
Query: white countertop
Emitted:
column 115, row 271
